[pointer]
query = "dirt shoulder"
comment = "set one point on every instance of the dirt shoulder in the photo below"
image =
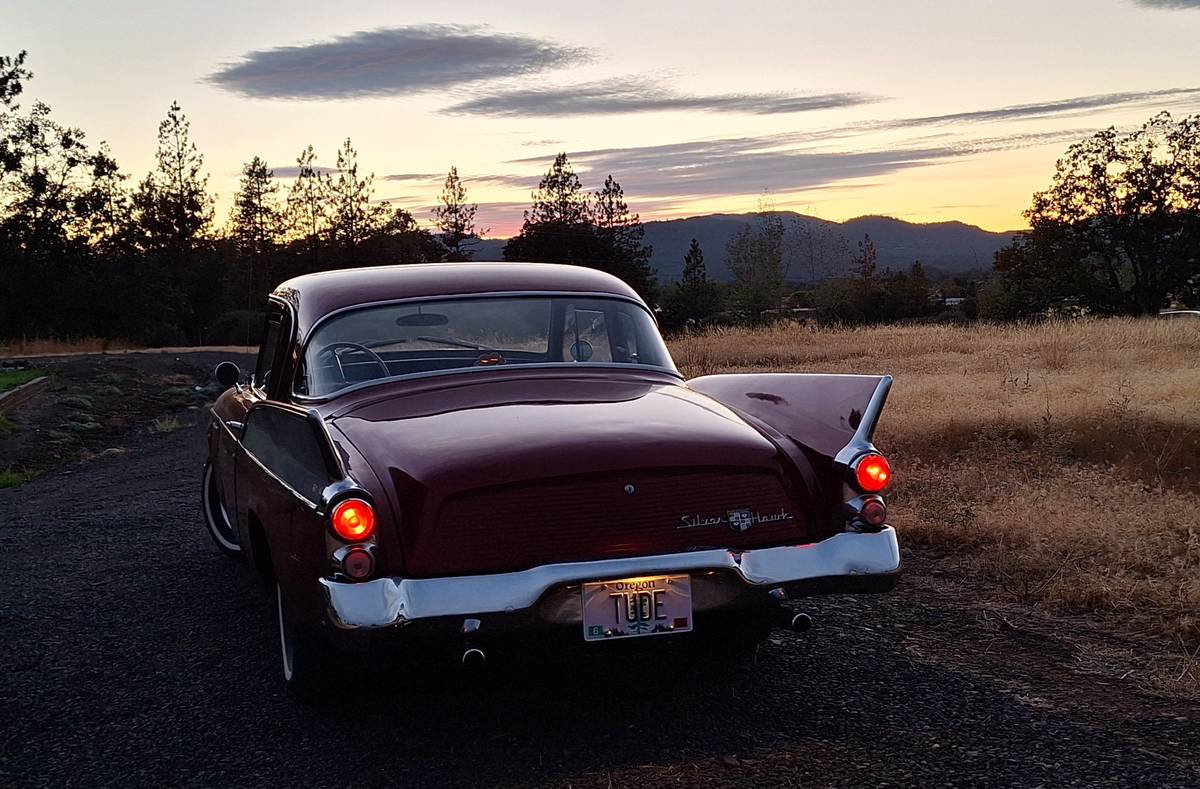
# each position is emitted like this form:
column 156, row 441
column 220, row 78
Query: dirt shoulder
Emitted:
column 98, row 403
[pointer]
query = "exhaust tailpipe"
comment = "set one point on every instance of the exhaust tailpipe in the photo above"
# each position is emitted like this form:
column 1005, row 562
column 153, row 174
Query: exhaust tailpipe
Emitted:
column 473, row 658
column 789, row 620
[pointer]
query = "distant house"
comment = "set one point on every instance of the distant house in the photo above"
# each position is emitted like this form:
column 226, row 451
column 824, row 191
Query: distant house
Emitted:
column 953, row 301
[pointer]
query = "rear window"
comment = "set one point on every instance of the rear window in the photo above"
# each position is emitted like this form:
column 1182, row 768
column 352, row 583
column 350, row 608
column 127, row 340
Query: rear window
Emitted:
column 414, row 338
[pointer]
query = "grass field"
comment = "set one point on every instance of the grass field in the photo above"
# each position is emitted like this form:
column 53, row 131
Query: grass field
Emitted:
column 11, row 379
column 1058, row 462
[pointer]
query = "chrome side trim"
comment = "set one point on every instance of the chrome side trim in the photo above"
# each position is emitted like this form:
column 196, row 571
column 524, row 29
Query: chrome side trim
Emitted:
column 860, row 442
column 304, row 500
column 396, row 601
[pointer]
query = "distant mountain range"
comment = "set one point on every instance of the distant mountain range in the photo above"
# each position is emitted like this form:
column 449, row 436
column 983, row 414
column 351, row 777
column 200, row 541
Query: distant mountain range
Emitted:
column 817, row 248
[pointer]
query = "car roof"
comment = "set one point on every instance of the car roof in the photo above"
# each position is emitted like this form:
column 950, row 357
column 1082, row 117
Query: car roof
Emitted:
column 314, row 296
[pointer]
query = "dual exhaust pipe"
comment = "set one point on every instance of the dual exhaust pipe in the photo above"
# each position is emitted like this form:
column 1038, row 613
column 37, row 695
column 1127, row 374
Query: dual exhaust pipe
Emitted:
column 473, row 658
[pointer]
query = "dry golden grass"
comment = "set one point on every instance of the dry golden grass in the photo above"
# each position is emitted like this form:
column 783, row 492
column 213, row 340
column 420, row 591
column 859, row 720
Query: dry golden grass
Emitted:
column 51, row 347
column 75, row 347
column 1061, row 460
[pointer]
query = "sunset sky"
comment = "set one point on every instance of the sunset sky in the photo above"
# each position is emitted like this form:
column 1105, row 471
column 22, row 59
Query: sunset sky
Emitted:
column 924, row 110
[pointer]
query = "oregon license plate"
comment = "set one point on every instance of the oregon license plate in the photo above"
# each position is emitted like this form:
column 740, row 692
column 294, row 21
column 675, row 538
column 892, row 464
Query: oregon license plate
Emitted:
column 647, row 606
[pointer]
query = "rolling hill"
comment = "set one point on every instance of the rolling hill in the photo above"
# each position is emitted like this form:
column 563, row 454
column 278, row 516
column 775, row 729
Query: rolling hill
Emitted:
column 943, row 247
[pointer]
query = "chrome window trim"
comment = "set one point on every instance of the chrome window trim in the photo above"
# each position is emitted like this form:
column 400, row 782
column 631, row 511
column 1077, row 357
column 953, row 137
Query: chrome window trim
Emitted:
column 311, row 505
column 299, row 398
column 285, row 342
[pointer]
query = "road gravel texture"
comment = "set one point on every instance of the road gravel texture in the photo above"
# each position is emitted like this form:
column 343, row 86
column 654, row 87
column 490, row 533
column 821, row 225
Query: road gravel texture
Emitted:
column 133, row 654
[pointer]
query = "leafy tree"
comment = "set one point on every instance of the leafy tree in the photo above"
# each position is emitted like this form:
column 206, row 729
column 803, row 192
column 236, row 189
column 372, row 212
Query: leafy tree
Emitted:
column 307, row 215
column 456, row 219
column 620, row 236
column 63, row 219
column 352, row 216
column 1118, row 230
column 755, row 259
column 401, row 240
column 13, row 75
column 694, row 301
column 47, row 165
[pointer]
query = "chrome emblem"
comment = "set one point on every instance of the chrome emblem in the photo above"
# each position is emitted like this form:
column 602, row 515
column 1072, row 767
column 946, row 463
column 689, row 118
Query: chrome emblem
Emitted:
column 740, row 520
column 630, row 489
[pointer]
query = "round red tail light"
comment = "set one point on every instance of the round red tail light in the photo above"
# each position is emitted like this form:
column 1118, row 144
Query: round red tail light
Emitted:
column 872, row 473
column 357, row 563
column 353, row 520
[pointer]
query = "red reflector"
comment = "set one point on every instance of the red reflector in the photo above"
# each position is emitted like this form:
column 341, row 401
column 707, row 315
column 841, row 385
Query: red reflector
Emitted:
column 873, row 473
column 357, row 563
column 874, row 513
column 353, row 520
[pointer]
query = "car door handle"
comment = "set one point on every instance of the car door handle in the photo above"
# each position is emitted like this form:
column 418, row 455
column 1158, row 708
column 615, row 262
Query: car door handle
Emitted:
column 235, row 426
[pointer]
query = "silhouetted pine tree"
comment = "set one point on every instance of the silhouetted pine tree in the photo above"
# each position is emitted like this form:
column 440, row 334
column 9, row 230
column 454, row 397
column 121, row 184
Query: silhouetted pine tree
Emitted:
column 456, row 219
column 620, row 235
column 557, row 228
column 307, row 215
column 174, row 213
column 352, row 216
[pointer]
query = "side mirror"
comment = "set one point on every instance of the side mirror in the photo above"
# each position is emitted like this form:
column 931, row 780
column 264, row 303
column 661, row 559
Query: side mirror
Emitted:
column 227, row 374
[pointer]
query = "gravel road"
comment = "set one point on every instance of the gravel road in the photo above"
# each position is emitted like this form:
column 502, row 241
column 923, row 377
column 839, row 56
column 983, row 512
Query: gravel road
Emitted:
column 132, row 653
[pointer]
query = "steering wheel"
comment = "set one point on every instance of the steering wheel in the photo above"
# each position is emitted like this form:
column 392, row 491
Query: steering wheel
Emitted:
column 333, row 347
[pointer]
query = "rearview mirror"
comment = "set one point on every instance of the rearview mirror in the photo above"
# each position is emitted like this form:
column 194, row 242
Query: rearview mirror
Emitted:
column 422, row 319
column 227, row 374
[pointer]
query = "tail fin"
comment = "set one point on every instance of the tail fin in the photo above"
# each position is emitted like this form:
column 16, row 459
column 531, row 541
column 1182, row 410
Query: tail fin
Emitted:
column 832, row 415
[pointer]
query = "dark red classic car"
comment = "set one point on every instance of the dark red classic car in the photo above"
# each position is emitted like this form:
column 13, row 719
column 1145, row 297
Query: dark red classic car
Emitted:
column 470, row 451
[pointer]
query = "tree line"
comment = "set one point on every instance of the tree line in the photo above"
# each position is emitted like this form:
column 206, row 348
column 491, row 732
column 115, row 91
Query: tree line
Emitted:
column 84, row 251
column 1116, row 233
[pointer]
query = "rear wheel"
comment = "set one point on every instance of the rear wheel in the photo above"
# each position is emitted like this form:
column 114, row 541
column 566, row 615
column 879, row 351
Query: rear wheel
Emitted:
column 305, row 660
column 216, row 517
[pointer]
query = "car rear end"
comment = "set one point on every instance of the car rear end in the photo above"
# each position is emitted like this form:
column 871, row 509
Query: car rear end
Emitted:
column 624, row 551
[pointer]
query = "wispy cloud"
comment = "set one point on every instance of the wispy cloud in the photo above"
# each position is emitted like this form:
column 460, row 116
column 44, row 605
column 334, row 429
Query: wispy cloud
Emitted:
column 413, row 177
column 750, row 165
column 642, row 94
column 1072, row 106
column 391, row 62
column 1177, row 4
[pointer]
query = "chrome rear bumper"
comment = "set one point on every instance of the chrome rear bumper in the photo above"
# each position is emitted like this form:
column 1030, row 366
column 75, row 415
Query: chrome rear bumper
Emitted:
column 838, row 564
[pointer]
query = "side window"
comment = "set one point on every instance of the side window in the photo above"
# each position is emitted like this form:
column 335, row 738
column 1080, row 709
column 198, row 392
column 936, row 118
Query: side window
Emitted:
column 585, row 336
column 270, row 346
column 290, row 447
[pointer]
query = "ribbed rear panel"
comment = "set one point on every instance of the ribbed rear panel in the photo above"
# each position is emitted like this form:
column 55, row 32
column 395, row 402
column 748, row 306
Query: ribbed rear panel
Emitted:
column 514, row 528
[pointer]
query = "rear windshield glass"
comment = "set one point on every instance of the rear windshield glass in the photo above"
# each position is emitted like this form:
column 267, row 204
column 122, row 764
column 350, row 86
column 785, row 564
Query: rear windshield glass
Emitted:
column 430, row 336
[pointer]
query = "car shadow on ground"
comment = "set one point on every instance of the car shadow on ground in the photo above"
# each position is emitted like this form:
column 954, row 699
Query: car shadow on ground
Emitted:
column 844, row 692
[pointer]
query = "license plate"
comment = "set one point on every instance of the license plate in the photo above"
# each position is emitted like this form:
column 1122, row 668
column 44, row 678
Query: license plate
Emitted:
column 648, row 606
